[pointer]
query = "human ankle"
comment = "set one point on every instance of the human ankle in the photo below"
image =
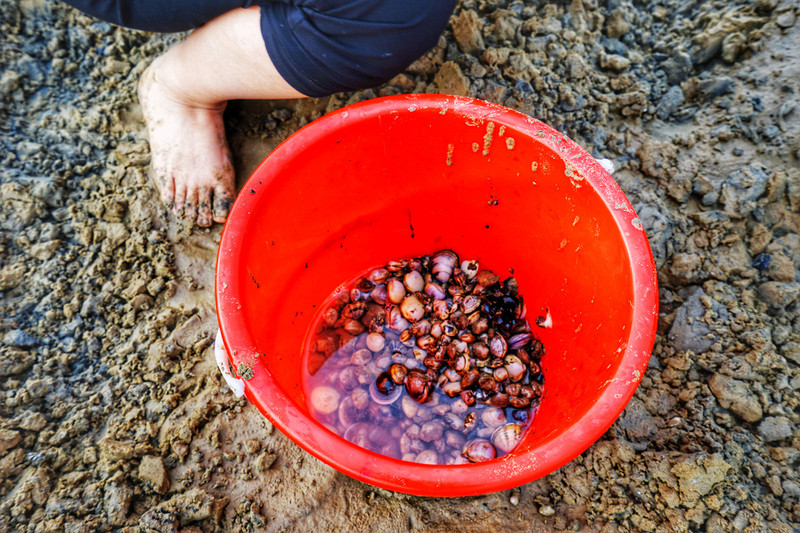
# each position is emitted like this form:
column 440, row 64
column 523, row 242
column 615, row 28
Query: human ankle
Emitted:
column 164, row 80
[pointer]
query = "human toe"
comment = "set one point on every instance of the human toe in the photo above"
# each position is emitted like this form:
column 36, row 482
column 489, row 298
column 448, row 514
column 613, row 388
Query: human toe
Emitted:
column 223, row 200
column 204, row 217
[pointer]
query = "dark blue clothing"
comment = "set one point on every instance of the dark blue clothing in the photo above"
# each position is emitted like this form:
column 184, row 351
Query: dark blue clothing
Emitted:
column 319, row 47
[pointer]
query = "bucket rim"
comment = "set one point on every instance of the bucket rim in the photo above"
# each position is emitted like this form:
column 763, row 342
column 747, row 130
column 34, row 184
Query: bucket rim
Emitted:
column 446, row 480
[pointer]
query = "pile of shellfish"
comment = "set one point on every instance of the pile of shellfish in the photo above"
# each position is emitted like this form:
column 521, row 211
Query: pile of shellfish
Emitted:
column 428, row 360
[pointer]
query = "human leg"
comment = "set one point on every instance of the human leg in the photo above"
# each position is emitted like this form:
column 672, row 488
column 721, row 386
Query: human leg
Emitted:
column 287, row 49
column 183, row 94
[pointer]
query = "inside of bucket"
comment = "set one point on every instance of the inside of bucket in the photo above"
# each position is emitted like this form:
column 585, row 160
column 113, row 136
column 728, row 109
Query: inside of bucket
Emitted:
column 403, row 186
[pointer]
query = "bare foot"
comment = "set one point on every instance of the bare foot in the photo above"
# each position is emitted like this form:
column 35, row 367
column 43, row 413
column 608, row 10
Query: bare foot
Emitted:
column 190, row 158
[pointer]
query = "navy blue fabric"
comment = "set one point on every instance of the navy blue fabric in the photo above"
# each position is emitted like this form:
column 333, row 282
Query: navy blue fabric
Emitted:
column 165, row 16
column 319, row 47
column 325, row 46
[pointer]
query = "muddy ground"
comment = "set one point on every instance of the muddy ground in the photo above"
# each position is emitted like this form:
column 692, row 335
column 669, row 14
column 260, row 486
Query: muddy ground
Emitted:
column 113, row 416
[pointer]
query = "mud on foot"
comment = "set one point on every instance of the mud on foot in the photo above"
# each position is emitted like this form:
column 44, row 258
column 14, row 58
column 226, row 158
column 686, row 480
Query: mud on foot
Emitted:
column 190, row 158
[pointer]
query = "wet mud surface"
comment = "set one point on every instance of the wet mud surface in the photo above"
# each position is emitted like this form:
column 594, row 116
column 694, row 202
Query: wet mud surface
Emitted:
column 113, row 416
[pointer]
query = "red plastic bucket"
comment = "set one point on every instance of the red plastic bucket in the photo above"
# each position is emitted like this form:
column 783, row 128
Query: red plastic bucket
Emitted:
column 407, row 175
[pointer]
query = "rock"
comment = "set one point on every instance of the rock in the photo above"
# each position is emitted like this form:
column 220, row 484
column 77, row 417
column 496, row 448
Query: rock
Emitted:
column 656, row 157
column 27, row 149
column 778, row 294
column 736, row 396
column 766, row 5
column 546, row 510
column 685, row 268
column 786, row 19
column 732, row 45
column 15, row 361
column 697, row 474
column 189, row 332
column 781, row 268
column 671, row 101
column 9, row 82
column 8, row 439
column 265, row 460
column 117, row 501
column 153, row 473
column 638, row 425
column 712, row 88
column 792, row 488
column 182, row 509
column 467, row 32
column 31, row 421
column 791, row 351
column 775, row 428
column 496, row 56
column 689, row 331
column 617, row 23
column 450, row 80
column 677, row 67
column 11, row 276
column 19, row 338
column 118, row 450
column 45, row 250
column 740, row 190
column 116, row 234
column 614, row 62
column 708, row 43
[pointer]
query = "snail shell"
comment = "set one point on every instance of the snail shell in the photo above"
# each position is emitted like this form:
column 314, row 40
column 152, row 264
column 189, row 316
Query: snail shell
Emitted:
column 395, row 319
column 409, row 406
column 519, row 340
column 487, row 278
column 470, row 268
column 379, row 275
column 395, row 290
column 412, row 308
column 353, row 326
column 500, row 374
column 435, row 291
column 398, row 373
column 376, row 342
column 391, row 396
column 418, row 385
column 420, row 328
column 414, row 281
column 506, row 438
column 358, row 434
column 444, row 261
column 325, row 399
column 518, row 402
column 498, row 346
column 515, row 367
column 378, row 294
column 493, row 417
column 427, row 457
column 479, row 450
column 349, row 414
column 360, row 398
column 441, row 309
column 470, row 304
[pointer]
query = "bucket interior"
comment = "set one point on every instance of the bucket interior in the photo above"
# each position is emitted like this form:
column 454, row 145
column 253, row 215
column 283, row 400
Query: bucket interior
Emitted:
column 375, row 187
